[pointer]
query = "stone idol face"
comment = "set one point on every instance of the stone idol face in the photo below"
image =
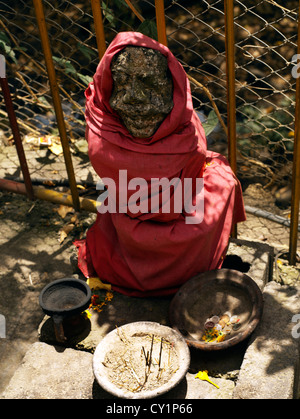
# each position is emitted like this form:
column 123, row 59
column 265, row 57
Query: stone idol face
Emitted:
column 143, row 89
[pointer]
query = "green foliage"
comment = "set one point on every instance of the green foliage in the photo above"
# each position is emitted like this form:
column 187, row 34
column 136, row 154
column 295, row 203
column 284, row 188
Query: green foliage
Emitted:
column 211, row 122
column 88, row 53
column 114, row 10
column 70, row 69
column 5, row 47
column 148, row 28
column 108, row 14
column 259, row 128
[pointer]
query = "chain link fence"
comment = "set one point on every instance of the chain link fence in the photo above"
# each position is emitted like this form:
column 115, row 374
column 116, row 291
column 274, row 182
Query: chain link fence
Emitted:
column 266, row 41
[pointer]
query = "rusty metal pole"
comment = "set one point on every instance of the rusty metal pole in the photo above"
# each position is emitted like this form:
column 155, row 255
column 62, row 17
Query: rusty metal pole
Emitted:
column 230, row 79
column 230, row 76
column 99, row 29
column 296, row 168
column 161, row 22
column 39, row 11
column 17, row 137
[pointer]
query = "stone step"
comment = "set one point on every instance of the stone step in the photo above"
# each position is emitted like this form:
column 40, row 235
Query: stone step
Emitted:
column 270, row 369
column 53, row 372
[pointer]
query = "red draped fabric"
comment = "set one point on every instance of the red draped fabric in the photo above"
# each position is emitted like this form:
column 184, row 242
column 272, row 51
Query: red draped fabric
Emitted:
column 149, row 253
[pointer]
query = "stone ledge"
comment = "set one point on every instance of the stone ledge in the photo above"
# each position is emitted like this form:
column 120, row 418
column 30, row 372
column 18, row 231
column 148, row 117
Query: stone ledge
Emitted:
column 50, row 372
column 260, row 257
column 270, row 366
column 47, row 372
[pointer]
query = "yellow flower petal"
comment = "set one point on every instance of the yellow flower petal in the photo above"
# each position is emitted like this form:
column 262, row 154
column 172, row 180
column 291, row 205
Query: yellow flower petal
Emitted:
column 96, row 284
column 202, row 375
column 86, row 314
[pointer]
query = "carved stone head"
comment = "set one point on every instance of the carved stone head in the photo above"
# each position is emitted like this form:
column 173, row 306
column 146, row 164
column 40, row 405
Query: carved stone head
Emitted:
column 143, row 89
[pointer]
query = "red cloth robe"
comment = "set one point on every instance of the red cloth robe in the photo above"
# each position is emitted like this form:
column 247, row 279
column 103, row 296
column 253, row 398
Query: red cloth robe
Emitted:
column 154, row 253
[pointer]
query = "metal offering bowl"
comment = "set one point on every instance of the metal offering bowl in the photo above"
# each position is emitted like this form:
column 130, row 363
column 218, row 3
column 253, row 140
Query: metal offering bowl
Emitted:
column 214, row 293
column 63, row 298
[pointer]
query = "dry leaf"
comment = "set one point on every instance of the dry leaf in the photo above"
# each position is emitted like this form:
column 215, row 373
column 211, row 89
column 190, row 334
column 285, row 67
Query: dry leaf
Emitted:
column 81, row 146
column 44, row 276
column 48, row 183
column 65, row 231
column 63, row 210
column 31, row 139
column 74, row 219
column 56, row 149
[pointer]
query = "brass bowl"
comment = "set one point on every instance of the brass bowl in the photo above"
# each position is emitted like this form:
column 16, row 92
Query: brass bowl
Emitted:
column 214, row 293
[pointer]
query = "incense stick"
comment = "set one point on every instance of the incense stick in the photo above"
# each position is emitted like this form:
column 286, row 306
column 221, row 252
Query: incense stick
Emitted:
column 160, row 352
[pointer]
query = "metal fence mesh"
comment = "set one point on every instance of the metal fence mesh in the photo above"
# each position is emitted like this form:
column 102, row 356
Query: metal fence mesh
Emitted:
column 265, row 36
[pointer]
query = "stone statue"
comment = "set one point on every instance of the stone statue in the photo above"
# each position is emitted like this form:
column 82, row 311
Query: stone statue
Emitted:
column 142, row 131
column 143, row 89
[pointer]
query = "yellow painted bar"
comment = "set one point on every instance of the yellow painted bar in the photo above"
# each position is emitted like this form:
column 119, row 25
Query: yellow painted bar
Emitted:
column 296, row 169
column 160, row 22
column 49, row 195
column 64, row 199
column 99, row 29
column 56, row 100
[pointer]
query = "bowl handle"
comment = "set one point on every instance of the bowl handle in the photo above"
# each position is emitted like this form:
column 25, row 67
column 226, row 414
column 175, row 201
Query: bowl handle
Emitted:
column 58, row 328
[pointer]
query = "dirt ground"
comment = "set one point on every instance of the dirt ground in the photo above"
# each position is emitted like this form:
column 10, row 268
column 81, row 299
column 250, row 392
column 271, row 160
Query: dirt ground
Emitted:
column 31, row 256
column 34, row 252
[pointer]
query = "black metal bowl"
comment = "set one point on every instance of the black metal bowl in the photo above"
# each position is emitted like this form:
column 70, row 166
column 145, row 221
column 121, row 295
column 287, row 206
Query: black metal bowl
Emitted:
column 65, row 297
